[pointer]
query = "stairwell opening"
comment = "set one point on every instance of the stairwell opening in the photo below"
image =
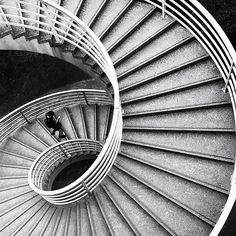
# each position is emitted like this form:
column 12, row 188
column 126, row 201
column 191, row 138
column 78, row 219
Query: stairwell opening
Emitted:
column 70, row 170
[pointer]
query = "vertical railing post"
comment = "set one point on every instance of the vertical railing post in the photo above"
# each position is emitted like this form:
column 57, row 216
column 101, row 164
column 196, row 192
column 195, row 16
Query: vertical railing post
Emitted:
column 23, row 115
column 85, row 98
column 64, row 152
column 163, row 8
column 228, row 77
column 51, row 23
column 86, row 187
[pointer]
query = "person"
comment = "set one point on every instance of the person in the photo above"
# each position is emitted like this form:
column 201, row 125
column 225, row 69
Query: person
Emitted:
column 53, row 123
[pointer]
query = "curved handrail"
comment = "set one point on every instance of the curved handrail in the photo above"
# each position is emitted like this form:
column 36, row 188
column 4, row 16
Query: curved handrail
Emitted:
column 194, row 17
column 53, row 156
column 66, row 27
column 38, row 107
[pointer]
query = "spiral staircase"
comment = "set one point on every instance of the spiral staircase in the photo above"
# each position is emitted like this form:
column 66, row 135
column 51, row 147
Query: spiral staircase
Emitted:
column 172, row 175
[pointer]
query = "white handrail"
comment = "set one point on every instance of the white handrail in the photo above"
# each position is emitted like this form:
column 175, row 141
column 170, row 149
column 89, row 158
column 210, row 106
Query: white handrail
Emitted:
column 67, row 27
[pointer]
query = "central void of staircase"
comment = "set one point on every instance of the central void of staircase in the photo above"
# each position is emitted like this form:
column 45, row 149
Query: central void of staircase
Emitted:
column 171, row 68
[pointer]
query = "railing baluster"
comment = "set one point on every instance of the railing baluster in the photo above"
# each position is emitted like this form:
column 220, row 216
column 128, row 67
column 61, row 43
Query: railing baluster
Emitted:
column 86, row 187
column 228, row 77
column 23, row 115
column 163, row 8
column 85, row 98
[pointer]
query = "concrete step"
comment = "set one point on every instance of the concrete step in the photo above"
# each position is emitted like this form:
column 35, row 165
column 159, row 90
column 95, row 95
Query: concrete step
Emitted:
column 196, row 85
column 13, row 182
column 78, row 10
column 182, row 52
column 77, row 117
column 97, row 222
column 175, row 219
column 204, row 93
column 17, row 31
column 10, row 208
column 115, row 221
column 11, row 224
column 44, row 37
column 67, row 125
column 165, row 40
column 73, row 7
column 89, row 9
column 200, row 71
column 27, row 137
column 29, row 224
column 10, row 158
column 90, row 120
column 112, row 9
column 212, row 144
column 5, row 29
column 63, row 226
column 138, row 219
column 38, row 128
column 18, row 147
column 126, row 34
column 202, row 118
column 51, row 225
column 103, row 115
column 13, row 170
column 17, row 192
column 31, row 33
column 202, row 202
column 85, row 227
column 151, row 27
column 33, row 226
column 43, row 221
column 210, row 173
column 133, row 15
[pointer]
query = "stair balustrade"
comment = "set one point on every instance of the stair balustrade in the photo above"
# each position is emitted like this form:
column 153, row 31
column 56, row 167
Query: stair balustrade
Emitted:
column 53, row 157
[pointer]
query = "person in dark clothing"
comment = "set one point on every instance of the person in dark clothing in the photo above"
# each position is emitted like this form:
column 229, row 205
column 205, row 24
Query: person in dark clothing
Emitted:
column 53, row 123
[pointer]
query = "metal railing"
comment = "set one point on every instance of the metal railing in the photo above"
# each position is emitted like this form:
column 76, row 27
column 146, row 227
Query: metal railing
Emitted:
column 36, row 108
column 194, row 17
column 51, row 158
column 51, row 19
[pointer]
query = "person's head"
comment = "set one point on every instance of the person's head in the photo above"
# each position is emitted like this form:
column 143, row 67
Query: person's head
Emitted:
column 49, row 115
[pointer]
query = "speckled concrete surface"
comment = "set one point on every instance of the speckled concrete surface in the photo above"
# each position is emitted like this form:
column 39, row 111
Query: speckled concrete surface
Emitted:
column 141, row 222
column 212, row 172
column 191, row 195
column 222, row 145
column 208, row 118
column 136, row 12
column 172, row 215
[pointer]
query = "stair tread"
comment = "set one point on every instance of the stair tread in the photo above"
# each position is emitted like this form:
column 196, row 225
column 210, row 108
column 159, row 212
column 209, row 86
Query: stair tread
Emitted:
column 78, row 121
column 17, row 31
column 221, row 145
column 183, row 53
column 161, row 43
column 213, row 173
column 150, row 27
column 112, row 9
column 136, row 12
column 31, row 33
column 96, row 218
column 174, row 218
column 195, row 198
column 142, row 223
column 192, row 96
column 114, row 219
column 205, row 118
column 192, row 74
